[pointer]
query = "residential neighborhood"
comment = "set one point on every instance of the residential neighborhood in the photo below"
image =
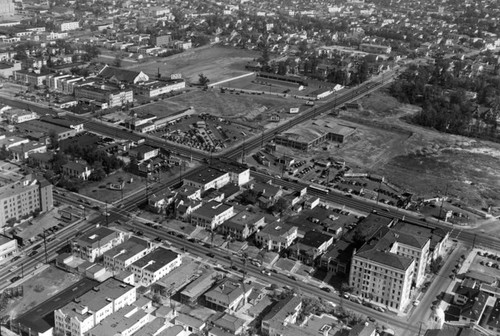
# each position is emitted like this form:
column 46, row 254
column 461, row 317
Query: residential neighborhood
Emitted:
column 175, row 168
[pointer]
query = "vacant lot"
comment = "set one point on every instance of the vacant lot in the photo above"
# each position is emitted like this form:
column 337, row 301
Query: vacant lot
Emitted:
column 250, row 110
column 217, row 63
column 427, row 162
column 40, row 288
column 99, row 190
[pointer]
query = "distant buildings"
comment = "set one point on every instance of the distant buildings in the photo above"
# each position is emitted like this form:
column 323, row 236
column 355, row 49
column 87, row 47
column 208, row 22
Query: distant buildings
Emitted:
column 25, row 197
column 7, row 8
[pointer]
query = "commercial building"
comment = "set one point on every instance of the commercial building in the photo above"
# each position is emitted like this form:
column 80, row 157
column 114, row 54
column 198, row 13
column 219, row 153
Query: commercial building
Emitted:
column 239, row 174
column 154, row 266
column 8, row 248
column 282, row 313
column 211, row 214
column 39, row 126
column 94, row 243
column 17, row 116
column 276, row 236
column 207, row 179
column 87, row 311
column 155, row 88
column 25, row 197
column 122, row 256
column 112, row 95
column 309, row 136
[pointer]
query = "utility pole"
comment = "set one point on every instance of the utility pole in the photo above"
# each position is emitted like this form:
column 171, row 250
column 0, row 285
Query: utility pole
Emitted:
column 45, row 246
column 442, row 201
column 106, row 214
column 474, row 241
column 22, row 270
column 379, row 187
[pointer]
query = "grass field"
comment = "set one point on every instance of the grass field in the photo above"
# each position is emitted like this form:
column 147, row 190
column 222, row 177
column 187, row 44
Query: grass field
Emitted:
column 217, row 63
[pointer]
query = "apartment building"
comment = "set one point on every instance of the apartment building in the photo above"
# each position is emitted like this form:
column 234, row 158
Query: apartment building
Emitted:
column 227, row 296
column 154, row 266
column 207, row 179
column 124, row 322
column 276, row 236
column 242, row 225
column 25, row 197
column 382, row 277
column 67, row 26
column 212, row 214
column 90, row 309
column 30, row 77
column 93, row 244
column 282, row 313
column 122, row 256
column 80, row 170
column 313, row 245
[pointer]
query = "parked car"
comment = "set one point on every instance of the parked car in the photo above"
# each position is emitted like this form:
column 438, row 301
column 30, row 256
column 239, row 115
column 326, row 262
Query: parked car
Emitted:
column 326, row 289
column 211, row 255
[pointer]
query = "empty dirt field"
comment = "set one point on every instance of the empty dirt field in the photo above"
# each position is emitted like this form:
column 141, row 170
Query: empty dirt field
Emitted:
column 427, row 162
column 217, row 63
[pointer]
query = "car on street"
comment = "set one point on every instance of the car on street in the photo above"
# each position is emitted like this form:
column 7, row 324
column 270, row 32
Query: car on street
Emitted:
column 32, row 253
column 416, row 303
column 371, row 319
column 14, row 279
column 211, row 255
column 16, row 258
column 326, row 289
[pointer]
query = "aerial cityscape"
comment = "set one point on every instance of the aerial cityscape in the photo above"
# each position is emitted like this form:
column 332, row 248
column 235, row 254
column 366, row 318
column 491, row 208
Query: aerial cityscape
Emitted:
column 237, row 167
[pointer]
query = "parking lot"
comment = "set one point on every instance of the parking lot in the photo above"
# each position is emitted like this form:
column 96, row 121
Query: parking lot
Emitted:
column 486, row 263
column 204, row 132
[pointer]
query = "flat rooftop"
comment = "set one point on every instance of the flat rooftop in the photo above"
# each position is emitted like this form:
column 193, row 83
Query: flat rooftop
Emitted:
column 41, row 317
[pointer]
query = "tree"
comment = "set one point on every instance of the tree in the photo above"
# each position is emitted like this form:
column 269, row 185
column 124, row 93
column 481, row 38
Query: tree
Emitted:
column 117, row 62
column 54, row 139
column 280, row 205
column 203, row 80
column 435, row 265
